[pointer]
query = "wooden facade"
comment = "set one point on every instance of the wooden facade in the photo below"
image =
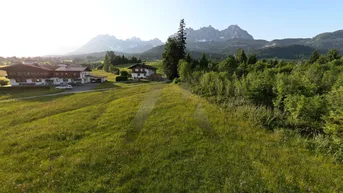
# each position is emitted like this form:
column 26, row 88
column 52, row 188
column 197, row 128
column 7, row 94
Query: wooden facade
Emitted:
column 34, row 74
column 21, row 72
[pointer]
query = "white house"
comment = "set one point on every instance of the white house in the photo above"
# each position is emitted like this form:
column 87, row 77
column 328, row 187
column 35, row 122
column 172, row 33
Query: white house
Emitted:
column 142, row 71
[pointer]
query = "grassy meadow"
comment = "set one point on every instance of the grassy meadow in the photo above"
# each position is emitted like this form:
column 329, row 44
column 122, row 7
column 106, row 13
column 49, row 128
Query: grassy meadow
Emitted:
column 149, row 138
column 18, row 92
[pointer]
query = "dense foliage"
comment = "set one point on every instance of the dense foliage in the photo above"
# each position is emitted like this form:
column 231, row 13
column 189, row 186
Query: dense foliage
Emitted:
column 175, row 50
column 111, row 60
column 305, row 96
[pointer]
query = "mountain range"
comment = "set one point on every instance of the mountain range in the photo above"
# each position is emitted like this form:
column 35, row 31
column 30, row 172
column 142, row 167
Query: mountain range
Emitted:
column 220, row 43
column 102, row 43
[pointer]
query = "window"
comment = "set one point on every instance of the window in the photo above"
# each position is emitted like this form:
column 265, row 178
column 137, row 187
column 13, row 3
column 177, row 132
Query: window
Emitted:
column 56, row 73
column 138, row 74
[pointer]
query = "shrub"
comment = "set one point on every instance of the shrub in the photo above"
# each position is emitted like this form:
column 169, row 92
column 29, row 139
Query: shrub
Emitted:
column 334, row 121
column 124, row 74
column 121, row 78
column 3, row 82
column 176, row 81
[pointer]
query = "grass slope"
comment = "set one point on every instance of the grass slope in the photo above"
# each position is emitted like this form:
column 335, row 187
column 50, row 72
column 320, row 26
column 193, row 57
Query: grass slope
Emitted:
column 151, row 138
column 17, row 92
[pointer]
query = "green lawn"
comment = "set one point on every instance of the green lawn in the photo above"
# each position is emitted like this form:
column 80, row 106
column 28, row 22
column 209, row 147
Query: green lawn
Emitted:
column 17, row 92
column 149, row 138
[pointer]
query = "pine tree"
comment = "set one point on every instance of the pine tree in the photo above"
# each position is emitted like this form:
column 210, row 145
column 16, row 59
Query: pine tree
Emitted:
column 188, row 58
column 175, row 50
column 106, row 63
column 252, row 59
column 314, row 57
column 240, row 56
column 181, row 39
column 333, row 55
column 203, row 62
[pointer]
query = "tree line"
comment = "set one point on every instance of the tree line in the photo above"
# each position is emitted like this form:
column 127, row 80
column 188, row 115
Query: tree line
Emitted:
column 111, row 61
column 302, row 96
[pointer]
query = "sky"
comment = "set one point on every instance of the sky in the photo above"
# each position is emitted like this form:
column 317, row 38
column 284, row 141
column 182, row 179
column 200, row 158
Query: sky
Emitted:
column 42, row 27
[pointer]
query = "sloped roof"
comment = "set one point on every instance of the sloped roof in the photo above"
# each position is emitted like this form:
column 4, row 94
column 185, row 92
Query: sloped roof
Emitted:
column 30, row 65
column 72, row 69
column 142, row 66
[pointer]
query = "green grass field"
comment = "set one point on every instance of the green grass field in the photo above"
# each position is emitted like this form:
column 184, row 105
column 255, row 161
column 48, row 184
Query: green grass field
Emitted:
column 149, row 138
column 18, row 92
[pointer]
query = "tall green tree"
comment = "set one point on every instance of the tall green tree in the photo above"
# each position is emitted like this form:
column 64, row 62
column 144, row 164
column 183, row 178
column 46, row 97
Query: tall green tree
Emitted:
column 314, row 57
column 175, row 50
column 188, row 58
column 241, row 57
column 181, row 39
column 228, row 65
column 203, row 62
column 333, row 55
column 171, row 58
column 107, row 63
column 252, row 59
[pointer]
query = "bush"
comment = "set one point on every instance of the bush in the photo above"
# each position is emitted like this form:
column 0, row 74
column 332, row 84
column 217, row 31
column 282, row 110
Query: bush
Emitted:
column 176, row 81
column 124, row 74
column 3, row 82
column 121, row 78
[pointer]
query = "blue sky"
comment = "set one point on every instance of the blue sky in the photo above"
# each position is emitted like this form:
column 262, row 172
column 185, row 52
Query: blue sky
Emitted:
column 39, row 27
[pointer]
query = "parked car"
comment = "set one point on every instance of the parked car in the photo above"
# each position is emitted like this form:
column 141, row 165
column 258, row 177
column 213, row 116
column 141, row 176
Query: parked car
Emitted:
column 64, row 87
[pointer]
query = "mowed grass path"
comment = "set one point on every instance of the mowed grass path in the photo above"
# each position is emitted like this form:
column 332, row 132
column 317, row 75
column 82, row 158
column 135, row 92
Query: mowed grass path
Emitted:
column 151, row 138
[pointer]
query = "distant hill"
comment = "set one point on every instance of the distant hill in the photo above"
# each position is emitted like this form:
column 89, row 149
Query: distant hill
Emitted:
column 103, row 43
column 286, row 52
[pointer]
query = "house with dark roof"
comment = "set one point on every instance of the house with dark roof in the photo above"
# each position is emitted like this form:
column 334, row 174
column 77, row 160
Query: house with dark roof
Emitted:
column 35, row 74
column 143, row 71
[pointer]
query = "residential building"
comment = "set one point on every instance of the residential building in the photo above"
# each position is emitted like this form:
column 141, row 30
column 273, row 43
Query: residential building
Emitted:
column 143, row 71
column 34, row 74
